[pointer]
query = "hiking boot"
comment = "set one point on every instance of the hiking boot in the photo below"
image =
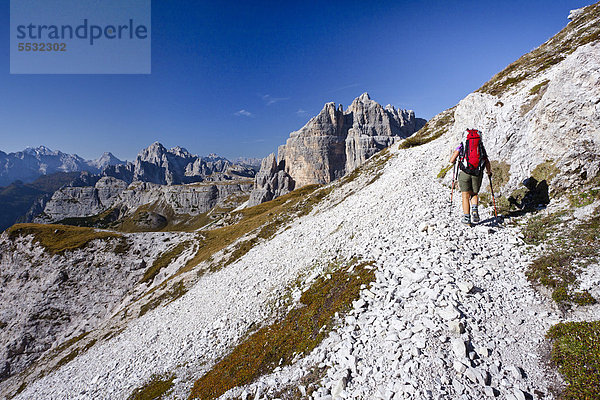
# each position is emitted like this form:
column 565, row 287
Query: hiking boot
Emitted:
column 466, row 219
column 475, row 215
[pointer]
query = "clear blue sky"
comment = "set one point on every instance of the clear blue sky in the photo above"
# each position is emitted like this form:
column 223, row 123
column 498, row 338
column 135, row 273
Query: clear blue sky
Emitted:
column 279, row 62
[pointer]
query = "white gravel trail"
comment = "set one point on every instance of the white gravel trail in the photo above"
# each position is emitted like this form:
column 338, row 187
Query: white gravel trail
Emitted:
column 401, row 341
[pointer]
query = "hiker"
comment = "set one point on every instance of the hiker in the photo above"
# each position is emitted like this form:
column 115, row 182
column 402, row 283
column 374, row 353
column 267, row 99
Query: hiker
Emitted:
column 472, row 158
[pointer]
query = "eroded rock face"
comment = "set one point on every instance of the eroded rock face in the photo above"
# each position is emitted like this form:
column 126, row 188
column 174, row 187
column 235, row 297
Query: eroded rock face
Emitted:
column 192, row 199
column 47, row 299
column 553, row 118
column 332, row 144
column 271, row 181
column 81, row 201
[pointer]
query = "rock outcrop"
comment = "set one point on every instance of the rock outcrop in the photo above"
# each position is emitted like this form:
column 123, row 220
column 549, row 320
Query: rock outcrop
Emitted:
column 47, row 299
column 109, row 192
column 271, row 181
column 332, row 144
column 156, row 164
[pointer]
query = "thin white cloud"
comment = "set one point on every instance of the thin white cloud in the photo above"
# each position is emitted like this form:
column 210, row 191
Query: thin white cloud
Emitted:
column 244, row 113
column 268, row 99
column 353, row 85
column 301, row 112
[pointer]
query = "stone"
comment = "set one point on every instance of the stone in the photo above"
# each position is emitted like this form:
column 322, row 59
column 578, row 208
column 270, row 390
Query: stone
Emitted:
column 459, row 348
column 459, row 367
column 449, row 313
column 339, row 387
column 516, row 372
column 519, row 394
column 456, row 327
column 465, row 287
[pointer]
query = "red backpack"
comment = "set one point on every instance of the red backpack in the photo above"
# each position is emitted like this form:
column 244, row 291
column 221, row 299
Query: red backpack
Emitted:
column 472, row 156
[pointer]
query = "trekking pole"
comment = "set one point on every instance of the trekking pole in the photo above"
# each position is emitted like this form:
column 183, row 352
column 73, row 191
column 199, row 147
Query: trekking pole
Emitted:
column 453, row 181
column 493, row 197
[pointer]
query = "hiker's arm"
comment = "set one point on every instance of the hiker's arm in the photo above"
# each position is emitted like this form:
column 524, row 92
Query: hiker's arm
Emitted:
column 488, row 167
column 453, row 157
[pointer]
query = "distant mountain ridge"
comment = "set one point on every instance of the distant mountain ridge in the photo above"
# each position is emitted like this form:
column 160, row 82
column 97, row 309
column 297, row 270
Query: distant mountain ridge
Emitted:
column 93, row 185
column 162, row 166
column 31, row 163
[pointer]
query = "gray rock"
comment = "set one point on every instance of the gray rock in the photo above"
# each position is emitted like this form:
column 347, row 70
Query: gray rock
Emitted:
column 332, row 144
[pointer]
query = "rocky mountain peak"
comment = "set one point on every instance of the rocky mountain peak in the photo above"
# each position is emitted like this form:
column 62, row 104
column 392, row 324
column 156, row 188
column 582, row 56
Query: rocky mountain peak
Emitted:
column 41, row 151
column 180, row 152
column 332, row 144
column 152, row 153
column 105, row 160
column 363, row 98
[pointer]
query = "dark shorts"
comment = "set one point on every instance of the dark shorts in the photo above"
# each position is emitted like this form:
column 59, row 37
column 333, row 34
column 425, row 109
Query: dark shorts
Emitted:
column 469, row 183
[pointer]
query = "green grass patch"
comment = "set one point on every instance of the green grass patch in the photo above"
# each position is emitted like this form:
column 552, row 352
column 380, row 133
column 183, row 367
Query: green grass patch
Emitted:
column 571, row 249
column 57, row 239
column 163, row 261
column 584, row 198
column 433, row 129
column 103, row 220
column 545, row 171
column 299, row 332
column 444, row 171
column 540, row 228
column 155, row 389
column 537, row 88
column 500, row 174
column 168, row 296
column 576, row 352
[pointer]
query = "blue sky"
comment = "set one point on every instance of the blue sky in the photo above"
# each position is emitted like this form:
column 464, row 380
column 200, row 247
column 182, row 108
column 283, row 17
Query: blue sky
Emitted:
column 236, row 79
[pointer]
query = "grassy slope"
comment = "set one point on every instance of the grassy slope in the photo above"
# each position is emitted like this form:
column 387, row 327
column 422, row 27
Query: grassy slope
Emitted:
column 299, row 332
column 57, row 239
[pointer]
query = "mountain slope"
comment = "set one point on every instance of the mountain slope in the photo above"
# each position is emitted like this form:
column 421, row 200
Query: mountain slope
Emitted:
column 415, row 301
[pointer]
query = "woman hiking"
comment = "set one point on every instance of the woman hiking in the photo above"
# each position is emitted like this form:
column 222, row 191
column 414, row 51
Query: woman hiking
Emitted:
column 472, row 158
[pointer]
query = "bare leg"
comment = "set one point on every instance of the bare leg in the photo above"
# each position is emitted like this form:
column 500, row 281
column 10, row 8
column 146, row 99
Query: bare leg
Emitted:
column 475, row 199
column 466, row 197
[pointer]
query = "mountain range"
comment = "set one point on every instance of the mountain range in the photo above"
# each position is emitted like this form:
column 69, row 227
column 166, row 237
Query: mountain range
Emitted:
column 154, row 165
column 31, row 163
